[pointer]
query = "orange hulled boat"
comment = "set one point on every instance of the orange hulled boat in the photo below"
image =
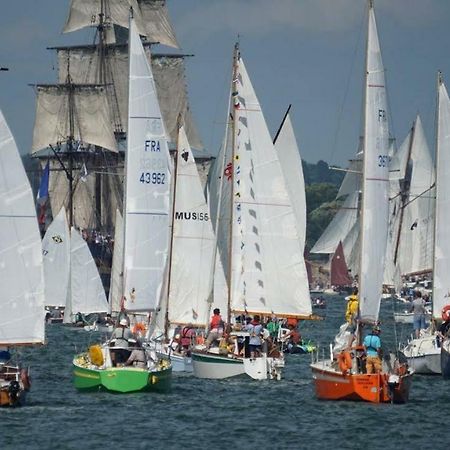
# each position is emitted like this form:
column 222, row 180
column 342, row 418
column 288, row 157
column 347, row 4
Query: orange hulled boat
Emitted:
column 343, row 375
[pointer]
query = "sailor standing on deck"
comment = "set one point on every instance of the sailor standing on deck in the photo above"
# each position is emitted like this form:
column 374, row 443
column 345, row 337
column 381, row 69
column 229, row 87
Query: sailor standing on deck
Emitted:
column 372, row 346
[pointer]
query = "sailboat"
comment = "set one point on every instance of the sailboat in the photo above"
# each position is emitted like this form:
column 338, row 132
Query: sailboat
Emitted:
column 258, row 239
column 424, row 353
column 146, row 231
column 340, row 377
column 71, row 275
column 189, row 286
column 21, row 273
column 339, row 276
column 81, row 120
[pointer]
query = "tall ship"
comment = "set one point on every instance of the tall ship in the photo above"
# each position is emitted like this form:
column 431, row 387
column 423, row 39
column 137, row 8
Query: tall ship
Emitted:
column 81, row 119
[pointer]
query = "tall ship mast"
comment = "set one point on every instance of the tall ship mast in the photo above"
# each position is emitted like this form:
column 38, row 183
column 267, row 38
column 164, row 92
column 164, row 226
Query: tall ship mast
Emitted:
column 80, row 123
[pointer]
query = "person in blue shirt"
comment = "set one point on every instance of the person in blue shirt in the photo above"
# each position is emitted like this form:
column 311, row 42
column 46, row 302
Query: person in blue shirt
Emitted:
column 372, row 346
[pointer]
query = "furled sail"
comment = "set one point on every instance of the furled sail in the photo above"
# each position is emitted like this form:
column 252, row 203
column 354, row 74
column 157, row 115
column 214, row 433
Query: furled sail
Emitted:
column 147, row 186
column 21, row 268
column 87, row 105
column 268, row 269
column 152, row 19
column 169, row 76
column 375, row 203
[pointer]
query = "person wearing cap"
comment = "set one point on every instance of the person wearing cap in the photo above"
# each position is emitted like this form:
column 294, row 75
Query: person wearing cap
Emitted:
column 372, row 346
column 120, row 339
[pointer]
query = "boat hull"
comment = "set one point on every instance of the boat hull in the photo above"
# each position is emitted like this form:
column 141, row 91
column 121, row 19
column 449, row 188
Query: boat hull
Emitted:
column 374, row 388
column 445, row 359
column 7, row 398
column 216, row 367
column 122, row 379
column 423, row 355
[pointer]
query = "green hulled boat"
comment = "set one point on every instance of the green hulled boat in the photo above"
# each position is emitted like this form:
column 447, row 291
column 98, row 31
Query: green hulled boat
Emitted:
column 90, row 376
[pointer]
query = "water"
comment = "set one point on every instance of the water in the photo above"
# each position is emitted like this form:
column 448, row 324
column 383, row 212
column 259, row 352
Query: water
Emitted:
column 208, row 414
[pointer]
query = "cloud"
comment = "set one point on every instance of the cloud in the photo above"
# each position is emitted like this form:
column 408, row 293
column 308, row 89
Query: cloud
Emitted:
column 262, row 17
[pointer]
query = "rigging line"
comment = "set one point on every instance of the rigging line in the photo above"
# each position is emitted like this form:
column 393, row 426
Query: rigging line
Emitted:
column 347, row 88
column 418, row 196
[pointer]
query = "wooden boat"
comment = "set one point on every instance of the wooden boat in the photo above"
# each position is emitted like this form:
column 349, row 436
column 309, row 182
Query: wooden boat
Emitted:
column 341, row 377
column 146, row 232
column 21, row 275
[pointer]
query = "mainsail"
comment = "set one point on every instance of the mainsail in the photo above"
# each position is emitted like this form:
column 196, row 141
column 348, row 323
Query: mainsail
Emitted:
column 375, row 200
column 21, row 272
column 267, row 270
column 147, row 187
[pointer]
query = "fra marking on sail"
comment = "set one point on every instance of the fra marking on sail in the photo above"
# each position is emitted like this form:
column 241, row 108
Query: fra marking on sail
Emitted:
column 152, row 146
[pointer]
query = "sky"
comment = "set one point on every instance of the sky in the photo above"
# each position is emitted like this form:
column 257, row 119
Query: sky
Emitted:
column 308, row 53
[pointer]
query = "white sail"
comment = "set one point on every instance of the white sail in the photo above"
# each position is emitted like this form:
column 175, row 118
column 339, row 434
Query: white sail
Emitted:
column 56, row 256
column 87, row 292
column 441, row 278
column 21, row 269
column 192, row 244
column 268, row 270
column 416, row 239
column 151, row 17
column 339, row 227
column 291, row 164
column 352, row 179
column 116, row 285
column 375, row 203
column 92, row 122
column 147, row 187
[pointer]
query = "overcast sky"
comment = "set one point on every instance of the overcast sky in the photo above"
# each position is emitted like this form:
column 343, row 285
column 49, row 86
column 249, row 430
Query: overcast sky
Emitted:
column 305, row 52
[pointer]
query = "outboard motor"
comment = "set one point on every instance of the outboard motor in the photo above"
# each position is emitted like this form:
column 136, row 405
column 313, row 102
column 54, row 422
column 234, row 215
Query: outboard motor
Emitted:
column 14, row 390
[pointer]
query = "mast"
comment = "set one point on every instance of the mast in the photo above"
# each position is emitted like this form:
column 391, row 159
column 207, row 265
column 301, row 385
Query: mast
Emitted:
column 169, row 260
column 233, row 156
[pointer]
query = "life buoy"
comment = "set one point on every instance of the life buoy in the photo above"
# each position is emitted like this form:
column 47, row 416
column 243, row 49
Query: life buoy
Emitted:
column 344, row 361
column 445, row 313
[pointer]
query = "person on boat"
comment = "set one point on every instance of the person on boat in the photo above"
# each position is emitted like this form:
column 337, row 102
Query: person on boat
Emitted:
column 273, row 327
column 120, row 339
column 255, row 329
column 419, row 311
column 216, row 328
column 372, row 347
column 187, row 338
column 351, row 313
column 292, row 337
column 137, row 357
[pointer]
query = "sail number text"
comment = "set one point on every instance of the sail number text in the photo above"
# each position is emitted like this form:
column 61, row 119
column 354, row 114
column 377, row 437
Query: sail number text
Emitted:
column 152, row 177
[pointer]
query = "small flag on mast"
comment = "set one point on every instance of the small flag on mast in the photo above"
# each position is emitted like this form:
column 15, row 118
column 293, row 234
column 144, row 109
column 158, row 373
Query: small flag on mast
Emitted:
column 42, row 195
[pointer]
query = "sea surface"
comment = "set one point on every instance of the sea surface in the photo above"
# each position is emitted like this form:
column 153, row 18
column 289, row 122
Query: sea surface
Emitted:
column 229, row 414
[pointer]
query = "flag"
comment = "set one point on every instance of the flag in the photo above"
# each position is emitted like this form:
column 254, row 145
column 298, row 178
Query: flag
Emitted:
column 42, row 195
